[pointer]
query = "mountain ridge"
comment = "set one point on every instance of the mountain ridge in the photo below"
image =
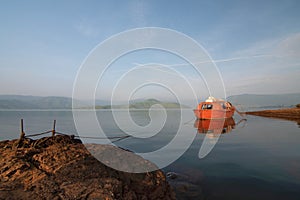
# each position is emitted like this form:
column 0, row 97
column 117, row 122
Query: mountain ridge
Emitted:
column 58, row 102
column 269, row 100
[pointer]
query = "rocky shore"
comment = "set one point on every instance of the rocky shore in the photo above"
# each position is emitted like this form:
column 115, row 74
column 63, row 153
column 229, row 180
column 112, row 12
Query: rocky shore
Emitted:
column 292, row 114
column 60, row 167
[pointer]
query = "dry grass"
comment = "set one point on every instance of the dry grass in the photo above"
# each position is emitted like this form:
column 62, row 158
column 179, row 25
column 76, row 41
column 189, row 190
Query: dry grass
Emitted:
column 288, row 113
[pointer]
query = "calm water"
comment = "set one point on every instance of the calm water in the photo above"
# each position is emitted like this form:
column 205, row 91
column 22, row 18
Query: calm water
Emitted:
column 257, row 159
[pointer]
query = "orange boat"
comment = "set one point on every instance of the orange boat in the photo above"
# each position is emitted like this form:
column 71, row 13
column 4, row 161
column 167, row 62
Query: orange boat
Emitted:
column 214, row 108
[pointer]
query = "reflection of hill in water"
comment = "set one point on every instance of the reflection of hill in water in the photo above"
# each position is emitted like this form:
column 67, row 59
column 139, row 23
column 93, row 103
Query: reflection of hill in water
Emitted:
column 215, row 126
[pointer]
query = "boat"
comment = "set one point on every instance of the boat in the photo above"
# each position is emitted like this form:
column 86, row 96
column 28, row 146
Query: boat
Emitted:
column 215, row 125
column 213, row 108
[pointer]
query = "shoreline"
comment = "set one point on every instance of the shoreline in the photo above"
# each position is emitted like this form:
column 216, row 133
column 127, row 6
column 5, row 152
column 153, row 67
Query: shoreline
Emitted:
column 60, row 167
column 291, row 114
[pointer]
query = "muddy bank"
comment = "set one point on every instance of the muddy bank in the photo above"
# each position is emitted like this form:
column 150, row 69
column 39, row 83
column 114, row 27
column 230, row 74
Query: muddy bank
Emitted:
column 292, row 114
column 62, row 168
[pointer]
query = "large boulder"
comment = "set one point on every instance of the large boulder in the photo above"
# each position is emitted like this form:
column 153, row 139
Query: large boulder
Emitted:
column 60, row 167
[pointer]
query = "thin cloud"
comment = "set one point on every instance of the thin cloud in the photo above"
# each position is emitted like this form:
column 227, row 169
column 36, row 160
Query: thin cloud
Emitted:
column 86, row 29
column 278, row 72
column 289, row 46
column 214, row 61
column 138, row 10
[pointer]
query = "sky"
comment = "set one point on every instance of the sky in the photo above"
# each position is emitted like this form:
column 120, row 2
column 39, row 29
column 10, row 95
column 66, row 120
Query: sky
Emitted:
column 254, row 44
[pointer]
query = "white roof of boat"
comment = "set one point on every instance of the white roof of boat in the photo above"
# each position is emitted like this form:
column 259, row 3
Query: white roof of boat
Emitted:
column 213, row 99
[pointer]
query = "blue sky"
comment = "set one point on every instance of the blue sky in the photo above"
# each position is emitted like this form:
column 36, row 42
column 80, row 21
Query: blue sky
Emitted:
column 255, row 44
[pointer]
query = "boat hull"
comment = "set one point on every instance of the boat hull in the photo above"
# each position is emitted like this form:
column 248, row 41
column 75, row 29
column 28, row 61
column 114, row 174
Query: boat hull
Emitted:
column 213, row 114
column 214, row 108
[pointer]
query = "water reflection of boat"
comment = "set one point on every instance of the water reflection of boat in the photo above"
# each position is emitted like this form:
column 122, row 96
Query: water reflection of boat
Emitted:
column 216, row 126
column 214, row 108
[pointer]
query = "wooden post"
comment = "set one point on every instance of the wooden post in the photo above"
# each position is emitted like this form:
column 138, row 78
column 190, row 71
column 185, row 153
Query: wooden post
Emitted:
column 22, row 134
column 53, row 130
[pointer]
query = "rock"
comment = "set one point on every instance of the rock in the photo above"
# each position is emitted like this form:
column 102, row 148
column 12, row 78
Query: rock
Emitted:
column 62, row 168
column 186, row 186
column 120, row 159
column 171, row 175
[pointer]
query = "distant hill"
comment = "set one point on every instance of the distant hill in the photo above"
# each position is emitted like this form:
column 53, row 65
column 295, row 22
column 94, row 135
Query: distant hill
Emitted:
column 52, row 102
column 265, row 101
column 247, row 101
column 150, row 102
column 144, row 104
column 15, row 104
column 19, row 97
column 34, row 102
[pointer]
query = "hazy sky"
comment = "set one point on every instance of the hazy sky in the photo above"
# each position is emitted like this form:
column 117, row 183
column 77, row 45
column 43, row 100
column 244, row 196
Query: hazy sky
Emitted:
column 255, row 44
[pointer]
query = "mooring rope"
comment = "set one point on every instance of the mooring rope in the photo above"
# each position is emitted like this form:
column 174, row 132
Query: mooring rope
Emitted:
column 54, row 132
column 242, row 120
column 59, row 133
column 76, row 136
column 102, row 138
column 37, row 134
column 242, row 114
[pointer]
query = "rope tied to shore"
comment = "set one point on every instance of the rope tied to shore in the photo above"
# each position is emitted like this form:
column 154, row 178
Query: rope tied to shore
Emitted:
column 54, row 132
column 38, row 134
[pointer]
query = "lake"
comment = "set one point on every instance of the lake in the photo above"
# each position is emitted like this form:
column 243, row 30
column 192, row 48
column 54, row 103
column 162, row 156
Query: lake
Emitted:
column 255, row 159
